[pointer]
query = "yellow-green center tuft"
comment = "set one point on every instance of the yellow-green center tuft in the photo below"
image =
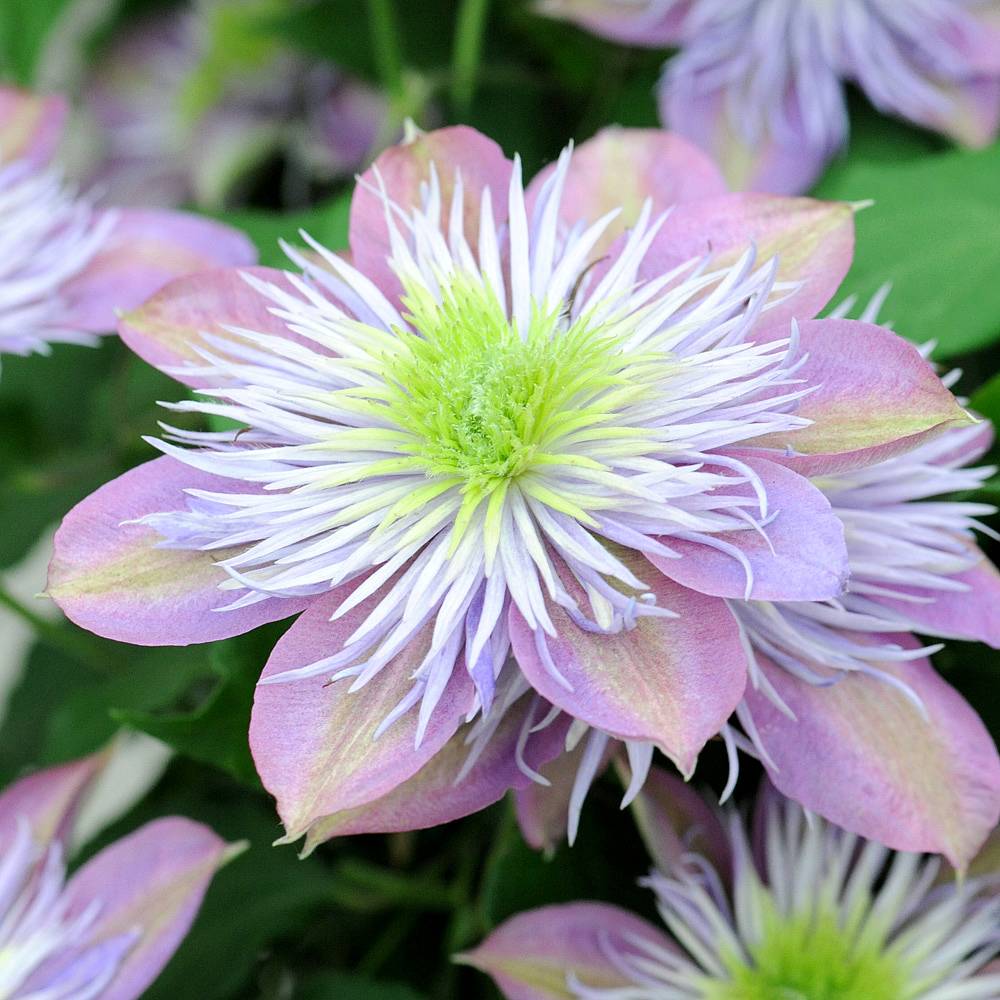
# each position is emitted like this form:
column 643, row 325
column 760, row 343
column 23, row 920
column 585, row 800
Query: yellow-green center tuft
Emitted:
column 812, row 956
column 487, row 405
column 478, row 405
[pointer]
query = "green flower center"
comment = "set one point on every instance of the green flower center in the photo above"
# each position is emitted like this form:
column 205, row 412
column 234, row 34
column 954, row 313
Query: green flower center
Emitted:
column 463, row 397
column 487, row 404
column 812, row 957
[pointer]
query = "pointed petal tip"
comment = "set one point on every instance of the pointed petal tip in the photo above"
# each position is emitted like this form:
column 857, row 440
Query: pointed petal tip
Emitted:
column 233, row 850
column 50, row 798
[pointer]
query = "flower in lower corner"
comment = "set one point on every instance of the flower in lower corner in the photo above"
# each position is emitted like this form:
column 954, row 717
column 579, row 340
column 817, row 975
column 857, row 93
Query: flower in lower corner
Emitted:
column 500, row 459
column 67, row 266
column 795, row 908
column 772, row 113
column 109, row 928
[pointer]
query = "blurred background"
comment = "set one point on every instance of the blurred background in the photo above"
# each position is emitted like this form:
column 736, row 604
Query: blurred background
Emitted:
column 260, row 112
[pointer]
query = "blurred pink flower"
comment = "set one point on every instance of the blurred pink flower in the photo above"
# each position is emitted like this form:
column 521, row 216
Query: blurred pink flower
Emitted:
column 169, row 120
column 107, row 930
column 67, row 267
column 759, row 84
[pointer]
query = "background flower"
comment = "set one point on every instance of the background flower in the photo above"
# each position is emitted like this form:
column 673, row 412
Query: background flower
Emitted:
column 110, row 928
column 67, row 266
column 759, row 84
column 191, row 104
column 796, row 906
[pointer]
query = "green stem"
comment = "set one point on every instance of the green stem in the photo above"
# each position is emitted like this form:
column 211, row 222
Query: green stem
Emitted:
column 421, row 890
column 74, row 644
column 469, row 32
column 385, row 42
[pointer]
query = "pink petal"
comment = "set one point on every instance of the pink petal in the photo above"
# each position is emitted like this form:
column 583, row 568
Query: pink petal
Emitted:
column 620, row 168
column 146, row 249
column 983, row 44
column 31, row 126
column 969, row 614
column 403, row 169
column 805, row 561
column 777, row 167
column 862, row 755
column 812, row 240
column 675, row 820
column 876, row 397
column 112, row 579
column 434, row 795
column 531, row 955
column 669, row 681
column 655, row 25
column 154, row 881
column 48, row 800
column 167, row 329
column 314, row 742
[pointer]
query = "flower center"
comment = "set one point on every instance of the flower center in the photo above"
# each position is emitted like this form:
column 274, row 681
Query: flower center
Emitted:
column 811, row 956
column 482, row 404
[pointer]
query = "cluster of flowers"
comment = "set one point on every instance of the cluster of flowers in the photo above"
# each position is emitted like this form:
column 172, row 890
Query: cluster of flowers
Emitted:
column 555, row 474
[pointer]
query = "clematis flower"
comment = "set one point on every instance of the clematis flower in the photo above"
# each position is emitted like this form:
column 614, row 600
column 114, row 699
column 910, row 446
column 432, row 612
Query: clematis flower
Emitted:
column 109, row 928
column 511, row 460
column 759, row 84
column 185, row 105
column 797, row 908
column 66, row 266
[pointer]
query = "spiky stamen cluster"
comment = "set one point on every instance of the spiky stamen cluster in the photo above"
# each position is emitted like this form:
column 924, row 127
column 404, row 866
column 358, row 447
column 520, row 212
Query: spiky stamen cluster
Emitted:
column 831, row 917
column 520, row 416
column 47, row 236
column 37, row 927
column 904, row 547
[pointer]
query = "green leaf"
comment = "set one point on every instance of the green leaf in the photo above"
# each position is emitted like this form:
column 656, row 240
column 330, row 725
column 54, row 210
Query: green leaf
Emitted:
column 316, row 28
column 339, row 31
column 60, row 709
column 24, row 28
column 326, row 223
column 518, row 878
column 878, row 138
column 49, row 678
column 932, row 232
column 71, row 421
column 986, row 400
column 215, row 732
